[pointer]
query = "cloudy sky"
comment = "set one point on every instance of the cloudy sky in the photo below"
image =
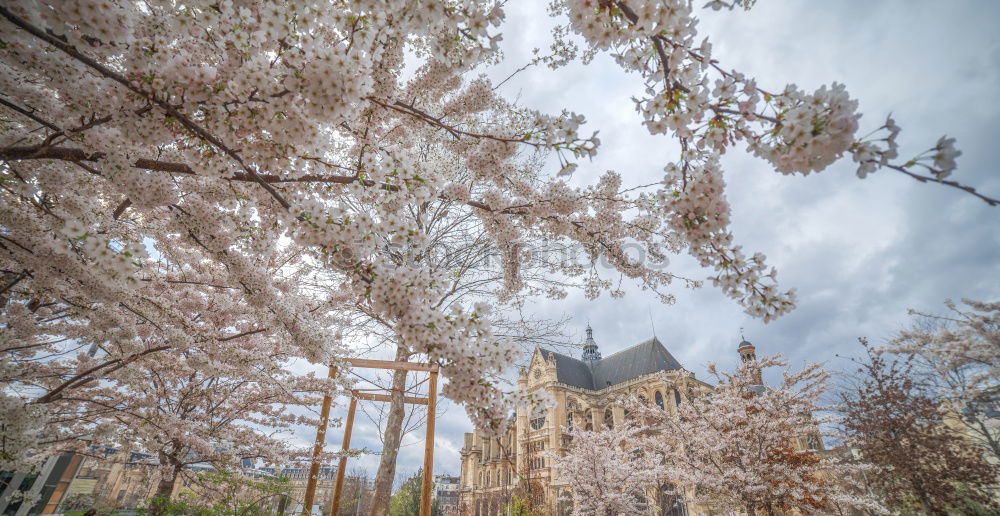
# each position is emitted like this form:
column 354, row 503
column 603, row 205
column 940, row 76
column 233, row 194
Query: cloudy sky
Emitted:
column 859, row 252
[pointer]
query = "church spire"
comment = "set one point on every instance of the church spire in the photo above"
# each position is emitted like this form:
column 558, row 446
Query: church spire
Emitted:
column 590, row 347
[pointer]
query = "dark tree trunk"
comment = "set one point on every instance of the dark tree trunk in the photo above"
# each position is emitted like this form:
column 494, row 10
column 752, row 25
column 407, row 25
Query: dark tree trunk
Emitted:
column 390, row 442
column 165, row 487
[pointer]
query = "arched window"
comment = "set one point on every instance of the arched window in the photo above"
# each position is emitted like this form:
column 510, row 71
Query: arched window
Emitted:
column 659, row 400
column 677, row 397
column 609, row 418
column 569, row 420
column 538, row 423
column 669, row 501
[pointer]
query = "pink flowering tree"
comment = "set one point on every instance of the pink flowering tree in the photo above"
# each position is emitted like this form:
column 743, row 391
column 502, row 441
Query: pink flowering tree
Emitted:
column 209, row 401
column 77, row 357
column 610, row 470
column 189, row 407
column 892, row 418
column 960, row 352
column 146, row 143
column 744, row 446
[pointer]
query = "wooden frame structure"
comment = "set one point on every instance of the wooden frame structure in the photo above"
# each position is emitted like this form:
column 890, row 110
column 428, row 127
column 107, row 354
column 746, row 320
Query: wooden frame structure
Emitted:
column 324, row 417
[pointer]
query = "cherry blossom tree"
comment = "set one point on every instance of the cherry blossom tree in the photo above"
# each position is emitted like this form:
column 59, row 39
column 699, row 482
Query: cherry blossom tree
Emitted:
column 961, row 353
column 893, row 422
column 77, row 363
column 748, row 447
column 190, row 408
column 457, row 248
column 610, row 470
column 148, row 143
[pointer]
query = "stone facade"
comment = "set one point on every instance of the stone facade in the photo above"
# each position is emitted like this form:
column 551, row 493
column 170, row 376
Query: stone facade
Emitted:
column 493, row 471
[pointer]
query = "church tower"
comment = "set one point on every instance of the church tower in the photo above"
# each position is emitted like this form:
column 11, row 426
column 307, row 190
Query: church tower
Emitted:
column 747, row 354
column 590, row 352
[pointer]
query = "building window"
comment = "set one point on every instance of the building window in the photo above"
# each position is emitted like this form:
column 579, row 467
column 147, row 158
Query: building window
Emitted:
column 537, row 423
column 659, row 400
column 677, row 397
column 669, row 501
column 609, row 418
column 569, row 420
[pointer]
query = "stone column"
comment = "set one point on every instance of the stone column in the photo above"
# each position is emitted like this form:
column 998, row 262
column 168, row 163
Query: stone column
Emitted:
column 557, row 417
column 618, row 415
column 596, row 418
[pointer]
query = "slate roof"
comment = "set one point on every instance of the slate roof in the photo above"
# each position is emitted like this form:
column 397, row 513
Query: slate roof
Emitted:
column 642, row 359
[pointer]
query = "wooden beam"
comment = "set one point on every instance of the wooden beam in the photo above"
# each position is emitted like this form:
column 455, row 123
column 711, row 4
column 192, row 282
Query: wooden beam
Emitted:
column 389, row 364
column 384, row 397
column 425, row 488
column 342, row 465
column 324, row 417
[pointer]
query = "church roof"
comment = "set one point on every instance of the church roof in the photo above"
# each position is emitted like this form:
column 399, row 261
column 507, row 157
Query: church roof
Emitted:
column 642, row 359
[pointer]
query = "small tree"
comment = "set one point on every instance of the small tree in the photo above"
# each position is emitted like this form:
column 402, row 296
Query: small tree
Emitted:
column 517, row 506
column 610, row 470
column 406, row 500
column 192, row 409
column 891, row 420
column 961, row 354
column 739, row 445
column 237, row 494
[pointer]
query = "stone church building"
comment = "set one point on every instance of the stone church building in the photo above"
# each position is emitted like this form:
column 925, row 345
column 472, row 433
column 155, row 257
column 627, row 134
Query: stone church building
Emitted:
column 495, row 470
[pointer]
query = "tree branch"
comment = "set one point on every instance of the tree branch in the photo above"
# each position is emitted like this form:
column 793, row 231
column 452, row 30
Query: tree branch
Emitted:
column 189, row 124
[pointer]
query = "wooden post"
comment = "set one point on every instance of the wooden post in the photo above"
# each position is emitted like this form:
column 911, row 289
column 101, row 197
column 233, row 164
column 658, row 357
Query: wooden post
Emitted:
column 425, row 488
column 342, row 465
column 324, row 417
